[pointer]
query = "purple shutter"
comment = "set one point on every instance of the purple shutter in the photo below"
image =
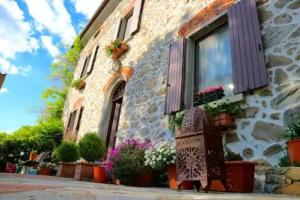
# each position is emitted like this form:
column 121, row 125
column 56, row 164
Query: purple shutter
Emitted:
column 249, row 68
column 138, row 4
column 174, row 96
column 2, row 78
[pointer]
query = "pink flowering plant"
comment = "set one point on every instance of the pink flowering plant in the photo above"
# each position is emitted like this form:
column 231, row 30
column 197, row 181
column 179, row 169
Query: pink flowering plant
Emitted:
column 127, row 160
column 160, row 156
column 211, row 89
column 209, row 94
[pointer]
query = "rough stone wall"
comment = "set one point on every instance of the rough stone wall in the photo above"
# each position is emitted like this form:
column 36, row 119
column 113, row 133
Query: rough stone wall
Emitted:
column 284, row 180
column 257, row 133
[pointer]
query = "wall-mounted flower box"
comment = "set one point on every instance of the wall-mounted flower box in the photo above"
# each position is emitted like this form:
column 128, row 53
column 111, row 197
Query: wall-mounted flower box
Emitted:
column 116, row 49
column 208, row 95
column 78, row 84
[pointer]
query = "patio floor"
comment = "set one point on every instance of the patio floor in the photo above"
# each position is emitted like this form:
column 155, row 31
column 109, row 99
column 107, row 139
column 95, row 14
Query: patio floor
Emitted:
column 21, row 187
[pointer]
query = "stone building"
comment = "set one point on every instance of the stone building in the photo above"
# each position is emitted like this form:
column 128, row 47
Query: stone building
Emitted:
column 259, row 58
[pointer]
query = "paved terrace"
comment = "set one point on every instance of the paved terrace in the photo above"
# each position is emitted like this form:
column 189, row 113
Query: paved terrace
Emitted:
column 21, row 187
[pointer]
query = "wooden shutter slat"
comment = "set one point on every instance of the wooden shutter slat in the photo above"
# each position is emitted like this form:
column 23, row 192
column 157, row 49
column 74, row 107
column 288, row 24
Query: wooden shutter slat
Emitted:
column 138, row 4
column 175, row 77
column 249, row 69
column 93, row 59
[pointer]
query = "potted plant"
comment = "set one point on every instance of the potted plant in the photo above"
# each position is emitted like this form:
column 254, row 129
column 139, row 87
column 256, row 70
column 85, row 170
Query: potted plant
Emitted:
column 209, row 94
column 223, row 113
column 240, row 174
column 162, row 158
column 292, row 134
column 127, row 163
column 91, row 149
column 175, row 121
column 66, row 153
column 44, row 168
column 79, row 84
column 33, row 154
column 116, row 49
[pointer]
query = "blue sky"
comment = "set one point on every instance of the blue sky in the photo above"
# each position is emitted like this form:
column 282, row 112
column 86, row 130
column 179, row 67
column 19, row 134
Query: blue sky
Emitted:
column 32, row 34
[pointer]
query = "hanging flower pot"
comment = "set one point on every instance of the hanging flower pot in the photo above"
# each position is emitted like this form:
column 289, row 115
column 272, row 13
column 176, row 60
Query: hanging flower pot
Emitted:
column 100, row 175
column 78, row 84
column 185, row 185
column 116, row 49
column 294, row 150
column 224, row 120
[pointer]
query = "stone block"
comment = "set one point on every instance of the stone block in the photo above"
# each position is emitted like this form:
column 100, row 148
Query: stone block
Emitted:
column 293, row 189
column 294, row 174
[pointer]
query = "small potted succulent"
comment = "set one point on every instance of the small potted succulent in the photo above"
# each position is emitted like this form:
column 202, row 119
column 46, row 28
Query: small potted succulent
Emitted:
column 78, row 84
column 91, row 149
column 33, row 154
column 116, row 49
column 292, row 135
column 45, row 168
column 209, row 94
column 240, row 174
column 162, row 157
column 223, row 113
column 127, row 163
column 66, row 153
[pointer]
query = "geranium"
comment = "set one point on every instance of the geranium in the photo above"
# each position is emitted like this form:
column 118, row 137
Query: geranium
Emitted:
column 161, row 156
column 211, row 89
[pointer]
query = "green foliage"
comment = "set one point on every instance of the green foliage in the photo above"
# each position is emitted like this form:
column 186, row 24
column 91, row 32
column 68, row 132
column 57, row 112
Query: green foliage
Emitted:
column 175, row 121
column 129, row 163
column 228, row 107
column 91, row 147
column 284, row 161
column 231, row 156
column 293, row 131
column 113, row 45
column 67, row 152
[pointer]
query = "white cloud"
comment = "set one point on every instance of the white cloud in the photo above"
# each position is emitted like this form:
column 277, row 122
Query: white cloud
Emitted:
column 15, row 33
column 3, row 90
column 87, row 8
column 7, row 67
column 52, row 16
column 48, row 44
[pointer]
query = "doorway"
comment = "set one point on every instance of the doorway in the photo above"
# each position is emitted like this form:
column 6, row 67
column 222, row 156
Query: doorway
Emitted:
column 115, row 116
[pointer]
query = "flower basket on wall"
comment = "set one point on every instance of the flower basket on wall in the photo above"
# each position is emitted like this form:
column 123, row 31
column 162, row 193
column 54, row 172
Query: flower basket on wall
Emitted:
column 224, row 120
column 78, row 84
column 116, row 49
column 208, row 95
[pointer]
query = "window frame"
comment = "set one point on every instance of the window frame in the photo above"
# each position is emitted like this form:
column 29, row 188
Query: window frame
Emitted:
column 201, row 32
column 124, row 25
column 87, row 61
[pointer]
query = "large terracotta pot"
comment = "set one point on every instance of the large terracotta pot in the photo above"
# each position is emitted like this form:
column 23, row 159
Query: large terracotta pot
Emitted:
column 33, row 155
column 100, row 175
column 144, row 179
column 127, row 72
column 171, row 171
column 84, row 171
column 65, row 169
column 224, row 120
column 118, row 52
column 46, row 171
column 240, row 176
column 294, row 150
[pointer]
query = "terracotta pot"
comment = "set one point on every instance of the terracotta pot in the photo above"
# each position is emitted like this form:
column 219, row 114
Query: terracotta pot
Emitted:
column 100, row 175
column 224, row 120
column 240, row 176
column 118, row 52
column 294, row 150
column 127, row 72
column 84, row 171
column 81, row 85
column 117, row 182
column 144, row 179
column 46, row 171
column 65, row 169
column 32, row 155
column 171, row 171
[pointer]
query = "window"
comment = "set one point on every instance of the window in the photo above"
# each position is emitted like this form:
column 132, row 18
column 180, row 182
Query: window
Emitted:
column 71, row 121
column 85, row 66
column 125, row 27
column 213, row 65
column 79, row 120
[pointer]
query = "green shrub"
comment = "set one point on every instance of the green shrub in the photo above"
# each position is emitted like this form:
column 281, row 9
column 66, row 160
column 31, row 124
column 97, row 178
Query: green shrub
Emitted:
column 91, row 147
column 293, row 131
column 67, row 152
column 231, row 156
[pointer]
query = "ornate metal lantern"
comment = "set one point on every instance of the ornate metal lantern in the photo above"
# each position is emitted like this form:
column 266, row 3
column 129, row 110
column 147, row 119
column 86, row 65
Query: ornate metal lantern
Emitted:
column 199, row 151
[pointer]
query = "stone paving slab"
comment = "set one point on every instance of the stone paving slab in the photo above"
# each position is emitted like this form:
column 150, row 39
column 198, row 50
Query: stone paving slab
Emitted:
column 54, row 188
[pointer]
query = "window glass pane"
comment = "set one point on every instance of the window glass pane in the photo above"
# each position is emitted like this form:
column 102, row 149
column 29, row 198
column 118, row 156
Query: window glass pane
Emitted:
column 214, row 61
column 86, row 64
column 128, row 27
